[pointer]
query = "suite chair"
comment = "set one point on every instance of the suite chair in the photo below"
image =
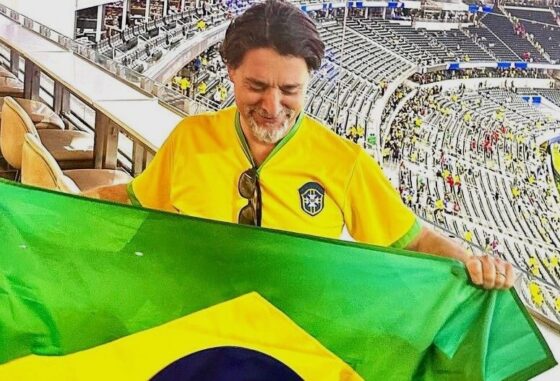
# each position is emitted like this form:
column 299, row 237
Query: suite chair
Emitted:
column 10, row 86
column 6, row 73
column 41, row 115
column 39, row 168
column 71, row 149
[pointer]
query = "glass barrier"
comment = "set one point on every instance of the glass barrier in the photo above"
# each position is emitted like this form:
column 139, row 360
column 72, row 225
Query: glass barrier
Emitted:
column 5, row 55
column 180, row 102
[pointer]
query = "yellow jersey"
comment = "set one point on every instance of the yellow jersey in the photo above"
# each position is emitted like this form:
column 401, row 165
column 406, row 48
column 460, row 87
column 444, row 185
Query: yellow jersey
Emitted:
column 313, row 182
column 185, row 84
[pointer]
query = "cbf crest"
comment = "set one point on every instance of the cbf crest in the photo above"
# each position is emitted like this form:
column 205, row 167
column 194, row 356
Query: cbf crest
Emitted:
column 312, row 198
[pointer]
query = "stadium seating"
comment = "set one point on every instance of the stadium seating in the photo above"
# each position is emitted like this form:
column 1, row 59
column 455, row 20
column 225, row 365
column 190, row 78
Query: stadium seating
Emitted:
column 505, row 191
column 502, row 28
column 11, row 87
column 552, row 95
column 542, row 26
column 40, row 114
column 541, row 16
column 141, row 41
column 463, row 46
column 403, row 40
column 6, row 73
column 72, row 149
column 39, row 168
column 493, row 44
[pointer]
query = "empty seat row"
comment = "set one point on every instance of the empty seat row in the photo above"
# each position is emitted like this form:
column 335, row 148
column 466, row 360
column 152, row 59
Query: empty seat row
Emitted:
column 9, row 84
column 34, row 141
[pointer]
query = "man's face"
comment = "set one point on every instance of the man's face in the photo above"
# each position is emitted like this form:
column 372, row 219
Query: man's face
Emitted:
column 269, row 92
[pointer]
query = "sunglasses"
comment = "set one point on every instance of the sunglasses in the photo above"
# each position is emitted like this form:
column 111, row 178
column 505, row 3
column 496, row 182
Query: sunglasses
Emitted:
column 249, row 188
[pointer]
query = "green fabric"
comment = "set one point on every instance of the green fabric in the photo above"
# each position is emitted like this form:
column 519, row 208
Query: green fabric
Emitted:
column 76, row 273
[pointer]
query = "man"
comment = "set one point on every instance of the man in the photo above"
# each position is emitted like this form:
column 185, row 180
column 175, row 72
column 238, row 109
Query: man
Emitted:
column 185, row 85
column 266, row 163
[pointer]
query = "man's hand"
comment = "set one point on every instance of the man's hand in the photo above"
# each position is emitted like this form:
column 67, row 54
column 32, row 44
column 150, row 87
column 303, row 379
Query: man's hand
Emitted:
column 485, row 271
column 490, row 272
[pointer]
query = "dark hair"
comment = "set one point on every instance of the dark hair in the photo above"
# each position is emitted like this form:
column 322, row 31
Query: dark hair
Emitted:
column 274, row 24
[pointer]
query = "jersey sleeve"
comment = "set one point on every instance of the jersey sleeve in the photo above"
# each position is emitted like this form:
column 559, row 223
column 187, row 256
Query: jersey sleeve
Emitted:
column 152, row 188
column 373, row 210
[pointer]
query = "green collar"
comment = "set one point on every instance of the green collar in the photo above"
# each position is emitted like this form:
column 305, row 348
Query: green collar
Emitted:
column 277, row 148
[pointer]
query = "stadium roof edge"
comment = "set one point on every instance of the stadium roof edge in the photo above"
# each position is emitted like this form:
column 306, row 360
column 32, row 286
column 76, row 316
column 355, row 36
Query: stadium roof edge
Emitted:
column 493, row 65
column 394, row 4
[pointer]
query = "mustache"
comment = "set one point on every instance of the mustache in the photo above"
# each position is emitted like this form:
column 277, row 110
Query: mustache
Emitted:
column 264, row 114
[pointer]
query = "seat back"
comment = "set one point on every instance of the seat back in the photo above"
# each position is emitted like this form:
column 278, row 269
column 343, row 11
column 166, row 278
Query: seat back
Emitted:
column 15, row 124
column 11, row 87
column 41, row 115
column 39, row 168
column 6, row 73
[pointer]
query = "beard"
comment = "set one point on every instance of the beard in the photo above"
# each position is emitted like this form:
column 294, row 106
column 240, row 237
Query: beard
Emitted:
column 271, row 133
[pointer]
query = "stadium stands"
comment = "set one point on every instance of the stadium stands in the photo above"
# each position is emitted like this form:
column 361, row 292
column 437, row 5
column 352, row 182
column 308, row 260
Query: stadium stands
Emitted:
column 136, row 45
column 413, row 45
column 463, row 46
column 551, row 95
column 374, row 63
column 530, row 14
column 541, row 24
column 502, row 28
column 484, row 140
column 493, row 44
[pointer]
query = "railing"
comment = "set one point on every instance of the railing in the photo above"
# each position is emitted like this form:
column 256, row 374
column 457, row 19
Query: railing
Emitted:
column 185, row 106
column 116, row 141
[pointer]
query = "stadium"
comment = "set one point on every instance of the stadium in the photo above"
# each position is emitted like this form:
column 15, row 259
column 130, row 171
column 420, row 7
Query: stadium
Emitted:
column 457, row 102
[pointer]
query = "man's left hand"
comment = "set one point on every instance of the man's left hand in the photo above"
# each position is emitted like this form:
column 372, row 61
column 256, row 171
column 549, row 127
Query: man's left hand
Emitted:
column 485, row 271
column 490, row 272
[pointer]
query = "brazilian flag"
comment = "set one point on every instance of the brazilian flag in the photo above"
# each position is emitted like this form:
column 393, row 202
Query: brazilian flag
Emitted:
column 93, row 290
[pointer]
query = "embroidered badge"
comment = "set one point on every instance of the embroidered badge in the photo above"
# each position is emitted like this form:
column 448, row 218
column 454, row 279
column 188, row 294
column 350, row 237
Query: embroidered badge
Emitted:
column 311, row 197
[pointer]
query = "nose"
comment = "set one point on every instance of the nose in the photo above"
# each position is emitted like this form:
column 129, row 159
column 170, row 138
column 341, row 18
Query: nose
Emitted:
column 272, row 102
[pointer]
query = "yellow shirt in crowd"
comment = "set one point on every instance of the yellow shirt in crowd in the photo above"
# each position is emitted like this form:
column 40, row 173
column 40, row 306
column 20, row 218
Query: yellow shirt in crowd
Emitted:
column 185, row 84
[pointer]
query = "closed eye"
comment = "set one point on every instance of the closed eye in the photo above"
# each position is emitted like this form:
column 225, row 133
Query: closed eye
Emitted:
column 290, row 90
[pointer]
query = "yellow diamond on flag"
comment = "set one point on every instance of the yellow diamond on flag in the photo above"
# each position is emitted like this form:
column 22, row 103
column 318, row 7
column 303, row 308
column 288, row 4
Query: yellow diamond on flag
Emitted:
column 245, row 334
